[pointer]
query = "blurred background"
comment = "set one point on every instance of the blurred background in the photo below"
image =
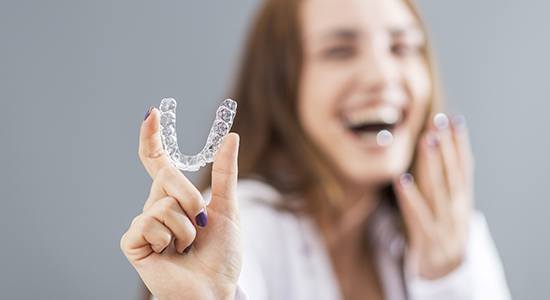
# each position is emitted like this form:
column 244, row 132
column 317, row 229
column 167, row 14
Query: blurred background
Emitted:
column 76, row 78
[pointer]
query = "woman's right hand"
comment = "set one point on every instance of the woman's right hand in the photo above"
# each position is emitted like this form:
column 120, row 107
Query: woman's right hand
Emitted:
column 180, row 248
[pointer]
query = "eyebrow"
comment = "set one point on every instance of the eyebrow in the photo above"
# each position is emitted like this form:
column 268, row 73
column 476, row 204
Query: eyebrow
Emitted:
column 396, row 32
column 406, row 30
column 343, row 34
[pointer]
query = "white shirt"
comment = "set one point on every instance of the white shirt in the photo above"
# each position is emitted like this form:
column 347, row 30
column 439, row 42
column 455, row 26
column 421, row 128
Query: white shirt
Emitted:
column 284, row 257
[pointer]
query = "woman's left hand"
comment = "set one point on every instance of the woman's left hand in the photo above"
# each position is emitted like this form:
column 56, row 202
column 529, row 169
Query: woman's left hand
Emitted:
column 437, row 205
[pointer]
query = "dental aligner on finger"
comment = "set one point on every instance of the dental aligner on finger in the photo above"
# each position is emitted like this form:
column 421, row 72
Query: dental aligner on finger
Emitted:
column 220, row 128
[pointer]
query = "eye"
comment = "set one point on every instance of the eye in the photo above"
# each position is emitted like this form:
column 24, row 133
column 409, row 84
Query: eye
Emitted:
column 339, row 52
column 404, row 49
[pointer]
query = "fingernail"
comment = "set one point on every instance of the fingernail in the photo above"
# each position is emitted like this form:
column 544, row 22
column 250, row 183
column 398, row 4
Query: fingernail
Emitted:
column 186, row 250
column 148, row 113
column 158, row 248
column 441, row 121
column 432, row 140
column 459, row 122
column 202, row 219
column 406, row 180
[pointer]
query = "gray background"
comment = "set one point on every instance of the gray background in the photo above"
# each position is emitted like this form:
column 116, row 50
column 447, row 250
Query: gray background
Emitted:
column 77, row 76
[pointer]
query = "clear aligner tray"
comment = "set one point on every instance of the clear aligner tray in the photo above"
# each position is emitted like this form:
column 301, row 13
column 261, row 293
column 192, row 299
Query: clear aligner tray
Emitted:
column 220, row 128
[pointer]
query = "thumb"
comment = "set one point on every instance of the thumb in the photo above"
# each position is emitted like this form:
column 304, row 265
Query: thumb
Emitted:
column 224, row 178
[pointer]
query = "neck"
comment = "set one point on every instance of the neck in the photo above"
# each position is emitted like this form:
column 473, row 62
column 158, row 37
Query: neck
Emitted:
column 359, row 203
column 355, row 195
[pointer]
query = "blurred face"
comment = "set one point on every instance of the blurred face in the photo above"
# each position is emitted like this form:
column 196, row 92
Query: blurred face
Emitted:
column 364, row 76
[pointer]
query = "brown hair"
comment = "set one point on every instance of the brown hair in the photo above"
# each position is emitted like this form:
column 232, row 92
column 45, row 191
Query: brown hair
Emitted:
column 274, row 147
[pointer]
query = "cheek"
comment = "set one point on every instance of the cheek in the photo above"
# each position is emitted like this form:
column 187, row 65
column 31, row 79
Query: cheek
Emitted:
column 317, row 102
column 419, row 83
column 311, row 108
column 310, row 104
column 318, row 114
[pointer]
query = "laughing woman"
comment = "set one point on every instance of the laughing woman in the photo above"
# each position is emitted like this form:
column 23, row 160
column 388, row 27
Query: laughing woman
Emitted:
column 352, row 184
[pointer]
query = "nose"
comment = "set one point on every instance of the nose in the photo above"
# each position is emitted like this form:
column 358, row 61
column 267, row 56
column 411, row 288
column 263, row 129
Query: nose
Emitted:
column 378, row 71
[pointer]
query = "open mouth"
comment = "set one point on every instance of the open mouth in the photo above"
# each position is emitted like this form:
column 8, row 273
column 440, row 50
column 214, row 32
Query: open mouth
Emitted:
column 371, row 128
column 376, row 126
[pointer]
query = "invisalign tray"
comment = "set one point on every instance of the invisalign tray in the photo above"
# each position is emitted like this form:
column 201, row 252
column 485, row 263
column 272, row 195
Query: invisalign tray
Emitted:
column 222, row 124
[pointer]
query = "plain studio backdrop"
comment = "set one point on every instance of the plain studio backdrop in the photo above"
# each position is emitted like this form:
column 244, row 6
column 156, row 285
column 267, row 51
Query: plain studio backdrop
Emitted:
column 76, row 78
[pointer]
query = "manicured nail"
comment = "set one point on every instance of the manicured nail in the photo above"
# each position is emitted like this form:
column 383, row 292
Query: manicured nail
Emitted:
column 441, row 121
column 202, row 219
column 186, row 250
column 406, row 180
column 432, row 140
column 148, row 113
column 459, row 122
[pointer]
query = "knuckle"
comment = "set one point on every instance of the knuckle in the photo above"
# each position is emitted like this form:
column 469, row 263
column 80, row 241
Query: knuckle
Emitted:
column 145, row 223
column 149, row 150
column 141, row 154
column 122, row 242
column 135, row 219
column 165, row 173
column 154, row 154
column 224, row 172
column 145, row 155
column 196, row 198
column 166, row 239
column 141, row 149
column 166, row 205
column 220, row 195
column 190, row 234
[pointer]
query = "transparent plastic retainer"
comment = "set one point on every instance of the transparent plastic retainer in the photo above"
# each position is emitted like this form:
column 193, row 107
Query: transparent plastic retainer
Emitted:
column 220, row 128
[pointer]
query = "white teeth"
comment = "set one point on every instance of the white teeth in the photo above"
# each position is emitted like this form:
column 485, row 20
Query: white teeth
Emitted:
column 384, row 138
column 387, row 115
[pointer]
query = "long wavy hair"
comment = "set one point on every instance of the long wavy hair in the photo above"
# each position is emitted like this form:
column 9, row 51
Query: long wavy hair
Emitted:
column 274, row 147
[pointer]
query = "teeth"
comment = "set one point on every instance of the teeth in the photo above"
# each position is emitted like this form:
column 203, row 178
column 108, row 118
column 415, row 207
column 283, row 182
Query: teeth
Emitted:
column 386, row 115
column 389, row 115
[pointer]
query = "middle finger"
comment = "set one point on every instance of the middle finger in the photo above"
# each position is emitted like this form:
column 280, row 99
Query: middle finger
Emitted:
column 448, row 153
column 171, row 182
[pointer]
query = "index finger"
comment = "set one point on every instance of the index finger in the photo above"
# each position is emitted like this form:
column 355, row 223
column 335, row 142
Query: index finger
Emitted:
column 152, row 154
column 225, row 176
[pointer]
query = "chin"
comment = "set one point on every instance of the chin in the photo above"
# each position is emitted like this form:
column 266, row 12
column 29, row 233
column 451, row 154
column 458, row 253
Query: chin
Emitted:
column 378, row 177
column 378, row 172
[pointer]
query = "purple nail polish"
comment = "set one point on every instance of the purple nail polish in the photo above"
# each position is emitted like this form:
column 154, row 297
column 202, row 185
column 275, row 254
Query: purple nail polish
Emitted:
column 202, row 219
column 406, row 180
column 441, row 121
column 148, row 113
column 432, row 140
column 459, row 122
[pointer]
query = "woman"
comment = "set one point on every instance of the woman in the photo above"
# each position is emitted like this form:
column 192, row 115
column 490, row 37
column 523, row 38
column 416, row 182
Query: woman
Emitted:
column 328, row 209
